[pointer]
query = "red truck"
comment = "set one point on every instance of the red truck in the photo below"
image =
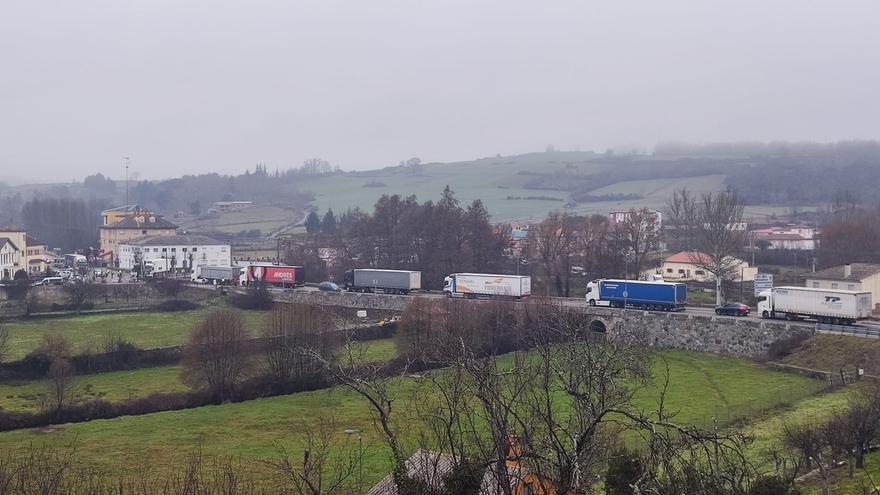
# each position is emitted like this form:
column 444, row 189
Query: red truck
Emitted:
column 285, row 276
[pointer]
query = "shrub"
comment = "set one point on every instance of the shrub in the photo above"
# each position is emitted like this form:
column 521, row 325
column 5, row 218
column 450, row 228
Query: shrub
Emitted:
column 624, row 468
column 53, row 347
column 177, row 305
column 257, row 296
column 786, row 346
column 215, row 358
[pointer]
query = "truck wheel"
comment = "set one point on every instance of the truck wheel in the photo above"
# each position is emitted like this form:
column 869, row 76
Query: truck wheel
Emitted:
column 592, row 302
column 765, row 315
column 718, row 312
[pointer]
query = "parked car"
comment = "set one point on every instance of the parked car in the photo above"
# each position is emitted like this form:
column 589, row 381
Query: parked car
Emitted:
column 328, row 287
column 50, row 281
column 733, row 309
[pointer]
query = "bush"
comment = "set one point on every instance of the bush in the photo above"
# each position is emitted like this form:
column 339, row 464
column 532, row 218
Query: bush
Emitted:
column 624, row 468
column 38, row 361
column 257, row 296
column 786, row 346
column 773, row 485
column 177, row 305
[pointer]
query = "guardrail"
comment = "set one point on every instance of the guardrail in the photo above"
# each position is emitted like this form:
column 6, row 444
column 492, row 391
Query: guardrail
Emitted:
column 857, row 330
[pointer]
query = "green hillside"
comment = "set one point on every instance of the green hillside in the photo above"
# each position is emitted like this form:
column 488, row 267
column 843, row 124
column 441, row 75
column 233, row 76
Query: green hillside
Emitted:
column 526, row 187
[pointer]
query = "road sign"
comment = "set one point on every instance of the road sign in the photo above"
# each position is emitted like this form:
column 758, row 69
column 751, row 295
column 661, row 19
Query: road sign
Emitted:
column 763, row 281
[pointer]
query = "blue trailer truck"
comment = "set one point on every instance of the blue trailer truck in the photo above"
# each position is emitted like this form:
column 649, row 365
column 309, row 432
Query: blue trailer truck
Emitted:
column 654, row 296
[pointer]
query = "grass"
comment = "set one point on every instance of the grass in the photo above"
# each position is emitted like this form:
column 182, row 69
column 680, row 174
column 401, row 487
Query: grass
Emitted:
column 145, row 329
column 25, row 395
column 701, row 385
column 265, row 218
column 836, row 352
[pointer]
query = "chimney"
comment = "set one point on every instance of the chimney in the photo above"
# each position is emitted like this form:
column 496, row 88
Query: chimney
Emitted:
column 847, row 270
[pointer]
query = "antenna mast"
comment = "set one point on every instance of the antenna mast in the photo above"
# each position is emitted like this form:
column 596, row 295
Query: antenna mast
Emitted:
column 126, row 161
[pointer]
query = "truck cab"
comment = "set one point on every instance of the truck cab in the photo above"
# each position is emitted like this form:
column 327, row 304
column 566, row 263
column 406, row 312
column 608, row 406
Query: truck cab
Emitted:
column 765, row 304
column 592, row 295
column 449, row 285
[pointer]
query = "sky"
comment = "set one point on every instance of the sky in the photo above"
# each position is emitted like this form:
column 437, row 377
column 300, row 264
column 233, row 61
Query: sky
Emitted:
column 218, row 86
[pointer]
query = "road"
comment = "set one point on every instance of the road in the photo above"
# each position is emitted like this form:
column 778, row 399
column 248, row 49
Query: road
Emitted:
column 863, row 329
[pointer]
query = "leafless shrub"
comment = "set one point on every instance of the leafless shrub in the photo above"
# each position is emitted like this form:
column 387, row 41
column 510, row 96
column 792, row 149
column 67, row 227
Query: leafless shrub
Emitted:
column 215, row 357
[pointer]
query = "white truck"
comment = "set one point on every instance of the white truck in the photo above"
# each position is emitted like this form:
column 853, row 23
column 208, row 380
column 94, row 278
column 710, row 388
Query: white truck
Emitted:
column 157, row 267
column 471, row 285
column 215, row 274
column 832, row 306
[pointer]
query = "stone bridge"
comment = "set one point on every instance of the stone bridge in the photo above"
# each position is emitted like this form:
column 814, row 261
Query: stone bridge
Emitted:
column 706, row 333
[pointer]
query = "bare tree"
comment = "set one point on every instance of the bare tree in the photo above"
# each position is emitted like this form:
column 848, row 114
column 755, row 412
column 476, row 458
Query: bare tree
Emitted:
column 719, row 237
column 327, row 467
column 682, row 218
column 553, row 243
column 370, row 381
column 291, row 328
column 808, row 443
column 60, row 385
column 641, row 234
column 215, row 358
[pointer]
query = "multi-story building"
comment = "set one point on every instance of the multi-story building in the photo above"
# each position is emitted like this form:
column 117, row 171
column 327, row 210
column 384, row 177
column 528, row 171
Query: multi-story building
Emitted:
column 621, row 216
column 128, row 223
column 185, row 251
column 852, row 276
column 30, row 252
column 9, row 259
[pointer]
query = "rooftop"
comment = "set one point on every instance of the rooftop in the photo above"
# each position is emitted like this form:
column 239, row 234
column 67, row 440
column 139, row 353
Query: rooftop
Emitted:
column 124, row 209
column 175, row 240
column 149, row 222
column 689, row 257
column 32, row 241
column 860, row 271
column 4, row 240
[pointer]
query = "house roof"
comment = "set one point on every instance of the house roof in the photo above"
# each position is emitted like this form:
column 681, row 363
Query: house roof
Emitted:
column 783, row 237
column 150, row 222
column 860, row 271
column 689, row 257
column 5, row 240
column 31, row 241
column 175, row 240
column 432, row 467
column 125, row 208
column 11, row 228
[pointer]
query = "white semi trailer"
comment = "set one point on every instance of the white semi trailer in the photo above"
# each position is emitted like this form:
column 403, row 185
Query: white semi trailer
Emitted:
column 839, row 307
column 484, row 284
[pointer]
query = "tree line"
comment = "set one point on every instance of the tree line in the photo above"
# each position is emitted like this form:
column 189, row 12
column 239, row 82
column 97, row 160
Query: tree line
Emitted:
column 436, row 238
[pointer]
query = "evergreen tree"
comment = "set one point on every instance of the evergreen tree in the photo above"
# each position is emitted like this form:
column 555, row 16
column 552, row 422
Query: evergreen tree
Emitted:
column 313, row 223
column 328, row 224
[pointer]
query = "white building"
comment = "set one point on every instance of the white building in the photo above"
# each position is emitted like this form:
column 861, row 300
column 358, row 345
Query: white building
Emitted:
column 791, row 237
column 690, row 265
column 224, row 206
column 621, row 216
column 9, row 259
column 185, row 251
column 852, row 276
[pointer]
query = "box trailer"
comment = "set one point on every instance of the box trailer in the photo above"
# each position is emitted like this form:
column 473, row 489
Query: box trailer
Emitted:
column 824, row 305
column 278, row 275
column 484, row 284
column 377, row 280
column 658, row 296
column 217, row 274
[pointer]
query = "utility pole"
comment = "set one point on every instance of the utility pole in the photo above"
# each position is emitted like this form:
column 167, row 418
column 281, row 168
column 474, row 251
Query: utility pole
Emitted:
column 126, row 161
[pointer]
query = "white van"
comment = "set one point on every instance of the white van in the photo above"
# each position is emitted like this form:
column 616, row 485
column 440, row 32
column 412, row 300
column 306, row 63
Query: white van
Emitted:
column 51, row 281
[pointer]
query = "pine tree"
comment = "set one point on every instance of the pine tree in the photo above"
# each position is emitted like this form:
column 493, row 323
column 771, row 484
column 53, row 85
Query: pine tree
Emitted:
column 313, row 223
column 328, row 225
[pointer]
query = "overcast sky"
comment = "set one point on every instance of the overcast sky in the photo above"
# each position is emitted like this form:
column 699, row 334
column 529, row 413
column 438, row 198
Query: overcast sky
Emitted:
column 190, row 87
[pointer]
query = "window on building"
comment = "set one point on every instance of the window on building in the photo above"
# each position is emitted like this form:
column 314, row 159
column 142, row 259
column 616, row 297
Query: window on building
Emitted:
column 833, row 285
column 669, row 270
column 155, row 250
column 815, row 285
column 184, row 250
column 681, row 271
column 144, row 232
column 699, row 272
column 164, row 250
column 173, row 250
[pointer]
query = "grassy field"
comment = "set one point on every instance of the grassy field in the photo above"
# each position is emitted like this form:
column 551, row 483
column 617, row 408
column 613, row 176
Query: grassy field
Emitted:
column 836, row 352
column 25, row 395
column 144, row 329
column 701, row 386
column 265, row 218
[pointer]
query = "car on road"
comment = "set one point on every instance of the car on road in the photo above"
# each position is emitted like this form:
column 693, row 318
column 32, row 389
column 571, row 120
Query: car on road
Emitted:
column 733, row 309
column 329, row 287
